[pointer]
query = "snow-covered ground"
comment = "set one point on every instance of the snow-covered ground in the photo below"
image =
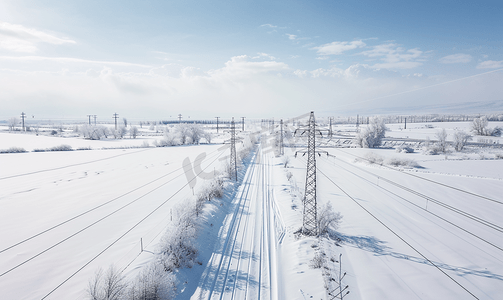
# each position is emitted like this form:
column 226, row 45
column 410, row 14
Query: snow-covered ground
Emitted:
column 429, row 232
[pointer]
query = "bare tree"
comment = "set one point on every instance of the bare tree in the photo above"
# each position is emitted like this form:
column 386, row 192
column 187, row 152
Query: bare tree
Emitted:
column 479, row 125
column 133, row 132
column 125, row 122
column 12, row 123
column 442, row 139
column 108, row 286
column 460, row 140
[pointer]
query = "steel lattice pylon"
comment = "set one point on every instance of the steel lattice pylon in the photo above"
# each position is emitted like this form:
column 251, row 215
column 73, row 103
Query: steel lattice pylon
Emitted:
column 309, row 224
column 233, row 162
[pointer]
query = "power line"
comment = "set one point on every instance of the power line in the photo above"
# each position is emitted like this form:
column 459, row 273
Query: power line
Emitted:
column 420, row 207
column 402, row 239
column 101, row 205
column 109, row 246
column 432, row 181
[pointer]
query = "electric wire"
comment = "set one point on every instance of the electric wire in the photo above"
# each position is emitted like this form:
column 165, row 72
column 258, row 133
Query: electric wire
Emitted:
column 113, row 243
column 426, row 179
column 92, row 224
column 94, row 208
column 422, row 208
column 402, row 239
column 438, row 202
column 72, row 165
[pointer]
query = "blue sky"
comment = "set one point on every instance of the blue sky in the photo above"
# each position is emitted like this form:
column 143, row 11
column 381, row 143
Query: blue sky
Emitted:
column 155, row 59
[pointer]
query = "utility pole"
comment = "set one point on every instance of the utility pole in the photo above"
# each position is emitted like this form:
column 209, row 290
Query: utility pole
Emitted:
column 89, row 116
column 405, row 123
column 281, row 150
column 243, row 123
column 116, row 116
column 217, row 122
column 357, row 119
column 179, row 118
column 233, row 162
column 94, row 120
column 330, row 128
column 23, row 116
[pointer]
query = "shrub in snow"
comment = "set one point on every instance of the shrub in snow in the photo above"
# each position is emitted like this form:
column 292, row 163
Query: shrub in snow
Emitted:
column 61, row 148
column 479, row 127
column 404, row 149
column 107, row 286
column 289, row 175
column 13, row 150
column 441, row 140
column 499, row 155
column 169, row 139
column 373, row 158
column 285, row 161
column 152, row 283
column 402, row 162
column 460, row 140
column 177, row 246
column 145, row 144
column 371, row 136
column 328, row 219
column 133, row 132
column 190, row 133
column 318, row 260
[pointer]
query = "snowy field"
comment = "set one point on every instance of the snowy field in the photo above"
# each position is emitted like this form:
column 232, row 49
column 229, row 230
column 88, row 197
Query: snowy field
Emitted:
column 431, row 231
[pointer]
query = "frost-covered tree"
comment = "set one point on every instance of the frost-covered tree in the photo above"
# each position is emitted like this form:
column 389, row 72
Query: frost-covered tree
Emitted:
column 460, row 140
column 442, row 139
column 107, row 286
column 479, row 125
column 133, row 132
column 12, row 123
column 372, row 136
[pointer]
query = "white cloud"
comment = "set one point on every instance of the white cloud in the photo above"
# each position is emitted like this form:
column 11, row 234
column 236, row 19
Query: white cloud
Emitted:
column 269, row 26
column 336, row 48
column 392, row 56
column 456, row 58
column 18, row 38
column 291, row 36
column 70, row 60
column 490, row 64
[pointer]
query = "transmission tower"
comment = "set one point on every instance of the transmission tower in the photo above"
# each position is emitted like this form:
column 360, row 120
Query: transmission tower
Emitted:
column 309, row 220
column 116, row 116
column 233, row 162
column 23, row 116
column 309, row 217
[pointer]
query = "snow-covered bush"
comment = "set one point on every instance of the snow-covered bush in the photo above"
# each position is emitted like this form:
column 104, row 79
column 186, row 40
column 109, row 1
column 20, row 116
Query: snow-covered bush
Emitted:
column 177, row 247
column 373, row 158
column 190, row 133
column 402, row 162
column 460, row 140
column 328, row 219
column 169, row 139
column 133, row 132
column 152, row 283
column 285, row 161
column 62, row 147
column 13, row 150
column 479, row 127
column 371, row 136
column 441, row 136
column 108, row 286
column 404, row 149
column 318, row 260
